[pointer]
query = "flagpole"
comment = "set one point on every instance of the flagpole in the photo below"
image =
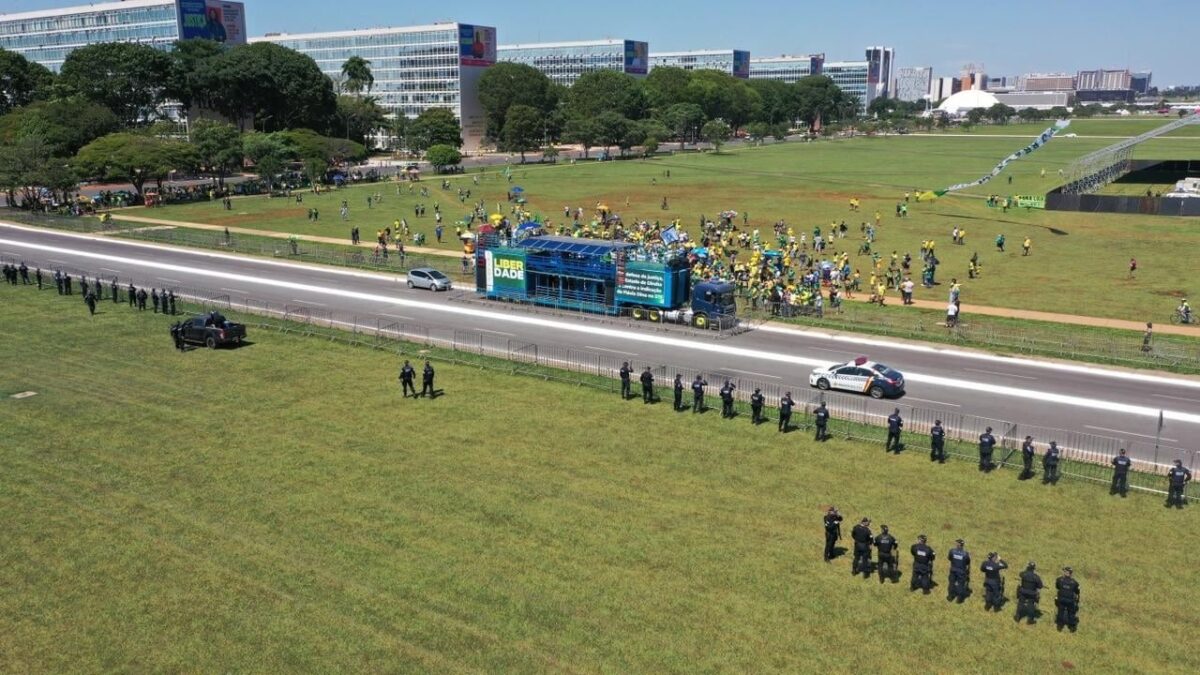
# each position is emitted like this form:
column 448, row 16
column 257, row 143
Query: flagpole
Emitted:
column 1158, row 435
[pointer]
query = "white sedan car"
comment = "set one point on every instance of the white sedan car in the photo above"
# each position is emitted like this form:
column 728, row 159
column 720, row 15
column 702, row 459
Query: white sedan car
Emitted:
column 860, row 376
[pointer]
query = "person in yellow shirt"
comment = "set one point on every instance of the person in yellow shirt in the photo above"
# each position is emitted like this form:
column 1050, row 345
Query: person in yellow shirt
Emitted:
column 1026, row 245
column 880, row 292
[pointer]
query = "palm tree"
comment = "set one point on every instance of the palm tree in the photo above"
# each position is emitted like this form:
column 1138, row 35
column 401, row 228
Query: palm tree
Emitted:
column 356, row 75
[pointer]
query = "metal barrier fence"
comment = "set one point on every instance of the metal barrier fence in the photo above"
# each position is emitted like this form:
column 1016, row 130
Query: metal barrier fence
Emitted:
column 1084, row 456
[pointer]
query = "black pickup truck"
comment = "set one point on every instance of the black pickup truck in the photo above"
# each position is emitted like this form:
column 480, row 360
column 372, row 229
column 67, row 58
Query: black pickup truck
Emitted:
column 212, row 330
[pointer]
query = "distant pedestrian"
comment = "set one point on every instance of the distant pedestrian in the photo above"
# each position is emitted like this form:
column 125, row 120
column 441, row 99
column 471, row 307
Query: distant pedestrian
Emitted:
column 1147, row 337
column 1133, row 268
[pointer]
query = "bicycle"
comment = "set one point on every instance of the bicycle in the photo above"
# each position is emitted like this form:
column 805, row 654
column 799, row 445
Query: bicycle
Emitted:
column 1178, row 317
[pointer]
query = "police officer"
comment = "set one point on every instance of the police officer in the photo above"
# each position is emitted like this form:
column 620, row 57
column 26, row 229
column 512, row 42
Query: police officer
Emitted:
column 833, row 532
column 861, row 534
column 171, row 300
column 987, row 445
column 1050, row 464
column 895, row 424
column 67, row 284
column 407, row 374
column 115, row 291
column 1027, row 455
column 625, row 384
column 90, row 301
column 756, row 405
column 1067, row 600
column 37, row 274
column 678, row 392
column 177, row 335
column 141, row 299
column 727, row 400
column 698, row 386
column 427, row 379
column 937, row 443
column 83, row 287
column 821, row 420
column 922, row 569
column 1120, row 479
column 58, row 281
column 1177, row 479
column 1028, row 594
column 24, row 269
column 886, row 547
column 132, row 295
column 960, row 572
column 647, row 386
column 785, row 411
column 993, row 582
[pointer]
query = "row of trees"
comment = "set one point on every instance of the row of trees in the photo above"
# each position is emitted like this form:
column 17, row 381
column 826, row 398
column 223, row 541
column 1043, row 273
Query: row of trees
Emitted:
column 526, row 111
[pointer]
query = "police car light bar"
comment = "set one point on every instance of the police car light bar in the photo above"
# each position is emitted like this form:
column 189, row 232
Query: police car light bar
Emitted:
column 860, row 360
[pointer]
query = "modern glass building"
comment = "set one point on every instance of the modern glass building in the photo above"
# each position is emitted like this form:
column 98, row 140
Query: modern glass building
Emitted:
column 47, row 36
column 852, row 77
column 565, row 62
column 736, row 62
column 415, row 67
column 787, row 69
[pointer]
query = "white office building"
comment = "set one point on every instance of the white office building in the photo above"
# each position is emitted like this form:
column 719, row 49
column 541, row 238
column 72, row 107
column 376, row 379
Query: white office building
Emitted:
column 48, row 36
column 786, row 69
column 415, row 67
column 735, row 62
column 565, row 62
column 914, row 84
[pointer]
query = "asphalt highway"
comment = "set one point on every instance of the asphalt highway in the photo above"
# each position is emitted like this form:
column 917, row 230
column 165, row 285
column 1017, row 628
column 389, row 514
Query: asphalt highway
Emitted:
column 1038, row 395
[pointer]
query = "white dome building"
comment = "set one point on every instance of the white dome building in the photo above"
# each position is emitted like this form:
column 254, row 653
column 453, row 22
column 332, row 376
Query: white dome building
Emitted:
column 962, row 102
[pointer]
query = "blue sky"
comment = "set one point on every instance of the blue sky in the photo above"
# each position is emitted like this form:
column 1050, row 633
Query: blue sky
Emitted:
column 1009, row 37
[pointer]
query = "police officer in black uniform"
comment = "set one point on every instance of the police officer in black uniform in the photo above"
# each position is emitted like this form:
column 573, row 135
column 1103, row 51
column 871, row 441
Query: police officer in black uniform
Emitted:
column 821, row 421
column 785, row 411
column 427, row 379
column 861, row 534
column 987, row 445
column 993, row 582
column 171, row 301
column 886, row 547
column 37, row 274
column 1067, row 600
column 24, row 269
column 132, row 295
column 67, row 284
column 1028, row 594
column 960, row 572
column 58, row 281
column 626, row 371
column 115, row 291
column 141, row 299
column 154, row 299
column 678, row 392
column 1177, row 479
column 1120, row 479
column 895, row 424
column 727, row 400
column 922, row 569
column 177, row 335
column 937, row 443
column 833, row 531
column 698, row 386
column 407, row 375
column 756, row 405
column 83, row 287
column 90, row 300
column 647, row 386
column 1027, row 454
column 1050, row 464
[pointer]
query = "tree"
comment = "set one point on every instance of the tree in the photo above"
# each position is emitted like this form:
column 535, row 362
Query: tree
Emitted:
column 359, row 117
column 442, row 155
column 275, row 87
column 357, row 76
column 1000, row 113
column 1030, row 114
column 189, row 58
column 133, row 157
column 523, row 129
column 976, row 115
column 611, row 127
column 128, row 78
column 435, row 126
column 29, row 165
column 654, row 132
column 550, row 153
column 666, row 86
column 606, row 91
column 505, row 85
column 584, row 131
column 818, row 98
column 268, row 153
column 777, row 104
column 398, row 131
column 65, row 125
column 758, row 130
column 716, row 132
column 1058, row 112
column 684, row 120
column 218, row 147
column 21, row 81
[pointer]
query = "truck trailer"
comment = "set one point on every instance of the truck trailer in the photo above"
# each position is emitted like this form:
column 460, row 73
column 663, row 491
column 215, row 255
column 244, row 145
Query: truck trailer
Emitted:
column 606, row 277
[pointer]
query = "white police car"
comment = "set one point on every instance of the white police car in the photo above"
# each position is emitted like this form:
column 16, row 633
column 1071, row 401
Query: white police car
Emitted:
column 860, row 376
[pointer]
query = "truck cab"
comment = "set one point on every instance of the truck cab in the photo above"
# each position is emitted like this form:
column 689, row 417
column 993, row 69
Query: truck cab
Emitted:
column 713, row 302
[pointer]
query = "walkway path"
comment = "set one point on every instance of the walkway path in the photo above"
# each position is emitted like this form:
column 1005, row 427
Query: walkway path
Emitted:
column 967, row 310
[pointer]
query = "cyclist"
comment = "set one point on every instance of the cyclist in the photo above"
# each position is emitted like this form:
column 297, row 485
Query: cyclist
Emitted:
column 1184, row 310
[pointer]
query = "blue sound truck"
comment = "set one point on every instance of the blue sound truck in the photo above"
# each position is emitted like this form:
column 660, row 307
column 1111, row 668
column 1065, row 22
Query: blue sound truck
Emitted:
column 607, row 277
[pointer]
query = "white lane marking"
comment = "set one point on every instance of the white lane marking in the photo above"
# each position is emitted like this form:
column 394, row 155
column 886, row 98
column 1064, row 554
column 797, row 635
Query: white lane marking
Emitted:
column 496, row 332
column 397, row 316
column 750, row 372
column 1129, row 433
column 926, row 400
column 611, row 351
column 991, row 358
column 207, row 254
column 235, row 290
column 109, row 269
column 1176, row 398
column 60, row 262
column 173, row 281
column 309, row 302
column 660, row 340
column 825, row 349
column 996, row 372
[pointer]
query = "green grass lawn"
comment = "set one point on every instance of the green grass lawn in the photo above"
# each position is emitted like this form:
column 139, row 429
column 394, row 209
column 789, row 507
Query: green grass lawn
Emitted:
column 280, row 508
column 1078, row 264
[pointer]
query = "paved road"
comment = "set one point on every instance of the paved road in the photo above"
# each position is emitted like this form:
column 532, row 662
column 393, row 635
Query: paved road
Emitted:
column 1079, row 398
